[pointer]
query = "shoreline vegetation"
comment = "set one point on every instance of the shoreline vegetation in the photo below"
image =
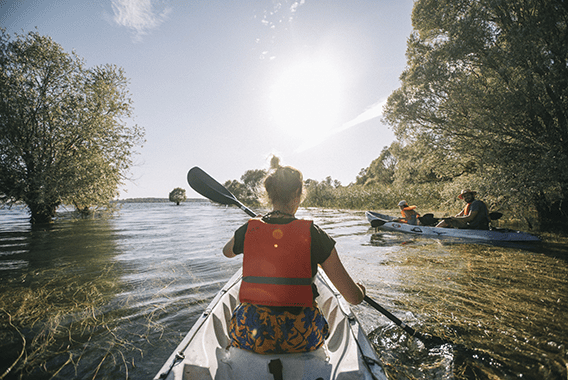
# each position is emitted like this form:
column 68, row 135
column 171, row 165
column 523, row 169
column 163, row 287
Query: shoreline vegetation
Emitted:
column 348, row 198
column 326, row 194
column 433, row 198
column 157, row 200
column 331, row 194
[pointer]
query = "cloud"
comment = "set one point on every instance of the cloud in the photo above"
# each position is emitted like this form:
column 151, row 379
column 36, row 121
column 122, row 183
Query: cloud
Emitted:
column 140, row 16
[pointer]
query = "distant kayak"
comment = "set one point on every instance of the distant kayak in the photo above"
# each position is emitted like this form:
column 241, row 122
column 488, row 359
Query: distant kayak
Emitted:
column 203, row 354
column 388, row 223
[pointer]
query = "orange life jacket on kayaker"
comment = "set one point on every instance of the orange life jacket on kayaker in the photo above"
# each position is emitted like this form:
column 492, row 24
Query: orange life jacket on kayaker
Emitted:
column 277, row 264
column 409, row 215
column 466, row 209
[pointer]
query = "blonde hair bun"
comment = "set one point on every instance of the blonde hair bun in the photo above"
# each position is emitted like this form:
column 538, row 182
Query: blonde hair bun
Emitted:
column 283, row 183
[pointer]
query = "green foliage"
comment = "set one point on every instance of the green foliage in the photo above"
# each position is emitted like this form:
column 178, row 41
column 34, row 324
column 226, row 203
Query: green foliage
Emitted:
column 63, row 138
column 485, row 98
column 318, row 194
column 177, row 195
column 253, row 182
column 376, row 196
column 250, row 190
column 381, row 170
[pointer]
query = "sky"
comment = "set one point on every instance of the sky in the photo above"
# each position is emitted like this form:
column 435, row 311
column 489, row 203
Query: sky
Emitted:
column 224, row 85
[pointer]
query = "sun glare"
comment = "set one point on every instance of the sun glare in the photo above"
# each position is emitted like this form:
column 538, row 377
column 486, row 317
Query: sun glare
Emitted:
column 306, row 100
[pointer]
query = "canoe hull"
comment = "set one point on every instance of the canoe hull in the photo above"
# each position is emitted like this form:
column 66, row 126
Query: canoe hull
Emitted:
column 387, row 223
column 203, row 353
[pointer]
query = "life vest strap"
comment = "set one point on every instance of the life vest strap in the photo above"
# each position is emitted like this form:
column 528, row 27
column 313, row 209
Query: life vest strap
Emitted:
column 278, row 280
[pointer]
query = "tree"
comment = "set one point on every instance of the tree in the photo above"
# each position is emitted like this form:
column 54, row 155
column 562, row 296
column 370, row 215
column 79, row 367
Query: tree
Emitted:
column 381, row 169
column 318, row 194
column 177, row 195
column 253, row 181
column 487, row 85
column 236, row 188
column 63, row 138
column 250, row 190
column 322, row 194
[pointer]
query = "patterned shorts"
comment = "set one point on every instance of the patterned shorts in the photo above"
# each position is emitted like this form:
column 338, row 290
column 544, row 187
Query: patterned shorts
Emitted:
column 267, row 331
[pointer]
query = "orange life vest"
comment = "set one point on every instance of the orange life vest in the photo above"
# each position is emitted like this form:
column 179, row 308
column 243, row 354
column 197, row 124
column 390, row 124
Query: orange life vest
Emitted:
column 466, row 209
column 277, row 267
column 409, row 215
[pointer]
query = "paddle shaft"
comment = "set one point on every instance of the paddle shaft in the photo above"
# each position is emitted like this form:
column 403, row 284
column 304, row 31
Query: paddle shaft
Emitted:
column 390, row 316
column 205, row 185
column 401, row 324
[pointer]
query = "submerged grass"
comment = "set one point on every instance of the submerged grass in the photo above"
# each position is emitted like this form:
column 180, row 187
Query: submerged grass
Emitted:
column 506, row 307
column 54, row 327
column 46, row 317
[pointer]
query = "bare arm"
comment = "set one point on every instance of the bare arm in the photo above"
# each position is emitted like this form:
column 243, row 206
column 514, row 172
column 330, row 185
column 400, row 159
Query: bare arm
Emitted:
column 467, row 218
column 353, row 293
column 228, row 248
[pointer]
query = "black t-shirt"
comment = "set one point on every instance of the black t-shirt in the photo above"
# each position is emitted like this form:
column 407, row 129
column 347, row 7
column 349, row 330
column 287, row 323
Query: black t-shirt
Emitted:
column 481, row 221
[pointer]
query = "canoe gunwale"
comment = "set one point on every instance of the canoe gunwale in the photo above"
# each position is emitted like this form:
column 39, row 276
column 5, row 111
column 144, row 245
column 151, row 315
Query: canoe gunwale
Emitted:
column 177, row 356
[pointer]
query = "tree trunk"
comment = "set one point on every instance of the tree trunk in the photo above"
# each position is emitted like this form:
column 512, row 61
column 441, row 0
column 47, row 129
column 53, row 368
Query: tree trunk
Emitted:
column 41, row 213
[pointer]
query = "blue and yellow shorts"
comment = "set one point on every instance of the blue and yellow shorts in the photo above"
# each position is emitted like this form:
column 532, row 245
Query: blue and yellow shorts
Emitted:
column 265, row 330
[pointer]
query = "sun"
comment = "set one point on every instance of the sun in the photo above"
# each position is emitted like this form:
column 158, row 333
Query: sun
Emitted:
column 306, row 99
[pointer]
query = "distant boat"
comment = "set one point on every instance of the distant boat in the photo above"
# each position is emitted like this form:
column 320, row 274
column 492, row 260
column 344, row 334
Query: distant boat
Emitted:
column 389, row 223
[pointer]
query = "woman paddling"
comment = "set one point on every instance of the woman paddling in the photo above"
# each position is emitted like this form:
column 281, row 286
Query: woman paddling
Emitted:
column 278, row 312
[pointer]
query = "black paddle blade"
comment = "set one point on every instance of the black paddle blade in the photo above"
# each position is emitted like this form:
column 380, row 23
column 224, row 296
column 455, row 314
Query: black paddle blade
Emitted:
column 495, row 215
column 428, row 220
column 205, row 185
column 377, row 222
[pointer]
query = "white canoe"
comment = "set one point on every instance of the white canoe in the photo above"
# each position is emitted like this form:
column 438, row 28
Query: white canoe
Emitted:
column 386, row 222
column 203, row 353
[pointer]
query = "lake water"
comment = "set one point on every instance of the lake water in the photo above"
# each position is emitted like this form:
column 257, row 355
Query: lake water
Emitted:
column 111, row 298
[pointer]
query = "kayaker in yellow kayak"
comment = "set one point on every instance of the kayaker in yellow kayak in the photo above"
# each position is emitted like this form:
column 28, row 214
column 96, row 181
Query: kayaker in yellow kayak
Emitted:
column 473, row 216
column 278, row 312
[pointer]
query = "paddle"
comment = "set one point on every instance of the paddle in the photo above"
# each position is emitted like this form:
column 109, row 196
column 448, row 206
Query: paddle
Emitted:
column 428, row 220
column 377, row 222
column 429, row 339
column 495, row 215
column 492, row 215
column 205, row 185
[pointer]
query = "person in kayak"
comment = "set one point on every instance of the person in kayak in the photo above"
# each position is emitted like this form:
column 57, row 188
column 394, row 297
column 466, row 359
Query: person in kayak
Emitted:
column 473, row 216
column 409, row 214
column 278, row 312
